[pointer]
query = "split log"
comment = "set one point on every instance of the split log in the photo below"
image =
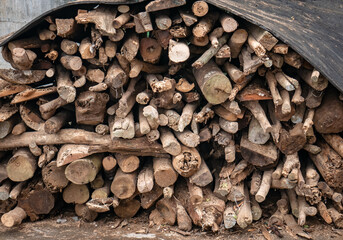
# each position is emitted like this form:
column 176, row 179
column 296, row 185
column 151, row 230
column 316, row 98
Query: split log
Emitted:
column 293, row 140
column 188, row 138
column 142, row 22
column 256, row 134
column 258, row 155
column 115, row 76
column 83, row 171
column 90, row 107
column 164, row 172
column 145, row 180
column 13, row 217
column 255, row 183
column 130, row 47
column 65, row 27
column 124, row 184
column 184, row 222
column 202, row 177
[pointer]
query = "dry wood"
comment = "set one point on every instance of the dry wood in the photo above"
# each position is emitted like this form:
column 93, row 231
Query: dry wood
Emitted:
column 90, row 107
column 124, row 184
column 202, row 177
column 16, row 190
column 164, row 173
column 329, row 192
column 115, row 76
column 305, row 210
column 236, row 42
column 13, row 217
column 127, row 163
column 169, row 142
column 335, row 141
column 85, row 213
column 214, row 85
column 178, row 51
column 158, row 5
column 5, row 189
column 22, row 77
column 145, row 180
column 142, row 22
column 264, row 187
column 130, row 47
column 54, row 177
column 21, row 166
column 108, row 164
column 148, row 199
column 337, row 217
column 127, row 208
column 22, row 58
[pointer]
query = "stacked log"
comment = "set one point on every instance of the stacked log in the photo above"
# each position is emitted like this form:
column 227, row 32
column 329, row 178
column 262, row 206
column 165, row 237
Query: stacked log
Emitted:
column 102, row 109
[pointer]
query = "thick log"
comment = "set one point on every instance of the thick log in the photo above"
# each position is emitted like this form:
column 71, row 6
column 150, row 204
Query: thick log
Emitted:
column 124, row 184
column 21, row 166
column 127, row 208
column 150, row 50
column 215, row 86
column 178, row 51
column 115, row 76
column 54, row 177
column 75, row 193
column 83, row 171
column 36, row 200
column 164, row 173
column 127, row 163
column 187, row 162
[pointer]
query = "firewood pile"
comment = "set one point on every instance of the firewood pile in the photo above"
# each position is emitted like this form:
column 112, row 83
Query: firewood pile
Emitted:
column 182, row 109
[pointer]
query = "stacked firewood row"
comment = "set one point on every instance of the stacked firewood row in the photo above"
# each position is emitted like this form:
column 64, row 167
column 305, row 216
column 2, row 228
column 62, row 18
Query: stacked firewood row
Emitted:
column 197, row 116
